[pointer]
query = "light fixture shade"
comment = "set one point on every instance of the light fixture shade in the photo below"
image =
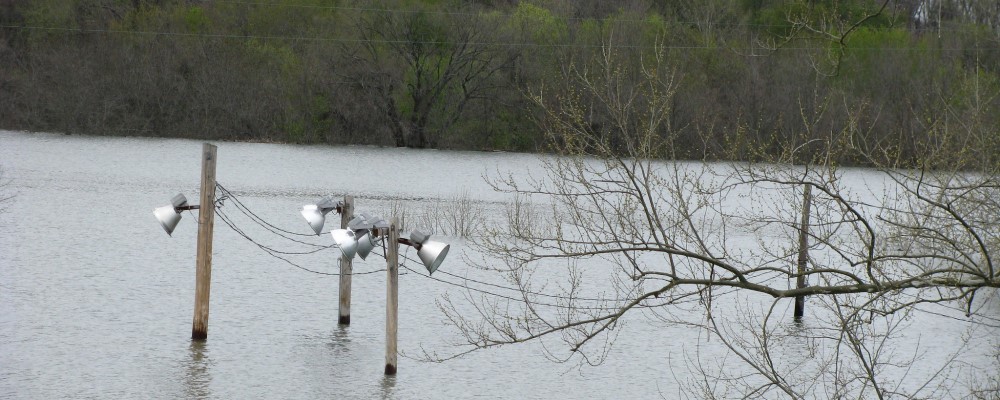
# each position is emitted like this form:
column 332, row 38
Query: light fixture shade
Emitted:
column 365, row 244
column 346, row 240
column 432, row 253
column 357, row 223
column 315, row 214
column 315, row 217
column 168, row 217
column 418, row 236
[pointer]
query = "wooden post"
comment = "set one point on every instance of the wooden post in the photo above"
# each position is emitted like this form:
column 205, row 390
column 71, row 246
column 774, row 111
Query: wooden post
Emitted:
column 800, row 301
column 392, row 295
column 206, row 220
column 346, row 267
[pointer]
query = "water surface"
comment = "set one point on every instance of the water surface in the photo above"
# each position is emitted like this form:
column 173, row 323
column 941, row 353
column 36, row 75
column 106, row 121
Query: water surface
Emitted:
column 96, row 300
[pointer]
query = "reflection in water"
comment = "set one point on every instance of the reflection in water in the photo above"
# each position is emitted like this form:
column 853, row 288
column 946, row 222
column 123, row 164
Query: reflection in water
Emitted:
column 340, row 339
column 388, row 384
column 197, row 378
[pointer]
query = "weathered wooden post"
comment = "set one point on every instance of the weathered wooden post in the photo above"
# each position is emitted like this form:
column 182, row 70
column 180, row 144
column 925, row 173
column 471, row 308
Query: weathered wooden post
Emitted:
column 392, row 295
column 346, row 267
column 206, row 220
column 800, row 301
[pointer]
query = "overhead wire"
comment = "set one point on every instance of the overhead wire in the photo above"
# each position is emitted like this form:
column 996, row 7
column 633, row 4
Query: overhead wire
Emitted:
column 331, row 39
column 279, row 254
column 527, row 293
column 533, row 303
column 461, row 14
column 523, row 290
column 405, row 259
column 473, row 43
column 917, row 300
column 262, row 222
column 227, row 194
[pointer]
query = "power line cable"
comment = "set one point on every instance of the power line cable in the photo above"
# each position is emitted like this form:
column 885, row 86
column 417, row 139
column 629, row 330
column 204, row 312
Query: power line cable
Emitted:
column 520, row 300
column 279, row 254
column 462, row 15
column 919, row 300
column 520, row 290
column 226, row 195
column 568, row 299
column 261, row 221
column 222, row 214
column 526, row 291
column 474, row 43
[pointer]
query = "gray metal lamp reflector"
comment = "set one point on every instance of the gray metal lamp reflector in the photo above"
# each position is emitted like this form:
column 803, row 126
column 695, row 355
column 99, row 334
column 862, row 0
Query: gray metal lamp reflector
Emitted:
column 365, row 244
column 314, row 217
column 432, row 254
column 168, row 215
column 346, row 240
column 315, row 214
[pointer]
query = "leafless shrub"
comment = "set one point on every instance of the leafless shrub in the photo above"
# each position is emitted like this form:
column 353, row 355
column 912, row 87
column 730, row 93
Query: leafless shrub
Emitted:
column 463, row 215
column 398, row 209
column 676, row 239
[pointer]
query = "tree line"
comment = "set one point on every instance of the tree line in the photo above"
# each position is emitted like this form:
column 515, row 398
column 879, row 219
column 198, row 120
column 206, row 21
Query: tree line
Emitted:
column 754, row 78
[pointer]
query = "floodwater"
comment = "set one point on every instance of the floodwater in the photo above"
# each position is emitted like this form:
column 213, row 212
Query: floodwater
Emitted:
column 96, row 301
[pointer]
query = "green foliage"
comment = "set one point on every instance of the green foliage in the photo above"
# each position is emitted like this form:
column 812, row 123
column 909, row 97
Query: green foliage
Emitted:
column 272, row 53
column 51, row 13
column 509, row 131
column 655, row 28
column 195, row 20
column 867, row 47
column 867, row 40
column 780, row 18
column 338, row 72
column 539, row 24
column 57, row 14
column 309, row 122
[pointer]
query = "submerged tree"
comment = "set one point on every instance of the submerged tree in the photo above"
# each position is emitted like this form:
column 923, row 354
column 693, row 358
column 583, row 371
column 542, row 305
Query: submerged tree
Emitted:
column 675, row 240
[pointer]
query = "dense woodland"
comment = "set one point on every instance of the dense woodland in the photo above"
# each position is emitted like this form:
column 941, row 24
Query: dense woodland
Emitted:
column 754, row 78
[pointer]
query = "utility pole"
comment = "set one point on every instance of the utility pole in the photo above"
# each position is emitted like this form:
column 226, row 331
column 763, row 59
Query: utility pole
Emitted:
column 392, row 295
column 346, row 266
column 206, row 221
column 800, row 281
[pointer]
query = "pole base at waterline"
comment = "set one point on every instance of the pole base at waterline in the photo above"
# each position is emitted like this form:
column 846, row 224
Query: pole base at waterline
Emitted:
column 344, row 320
column 199, row 335
column 800, row 307
column 390, row 369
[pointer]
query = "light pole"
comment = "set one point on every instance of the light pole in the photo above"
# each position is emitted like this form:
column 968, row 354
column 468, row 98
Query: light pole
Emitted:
column 315, row 215
column 362, row 234
column 170, row 215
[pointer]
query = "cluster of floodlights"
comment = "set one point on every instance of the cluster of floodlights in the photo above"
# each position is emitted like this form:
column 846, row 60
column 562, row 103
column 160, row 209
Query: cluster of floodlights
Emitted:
column 364, row 232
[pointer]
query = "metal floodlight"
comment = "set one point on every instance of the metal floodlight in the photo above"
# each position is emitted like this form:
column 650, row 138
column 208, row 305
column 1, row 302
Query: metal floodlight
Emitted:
column 366, row 242
column 419, row 237
column 170, row 215
column 346, row 240
column 432, row 254
column 367, row 221
column 315, row 214
column 362, row 225
column 357, row 223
